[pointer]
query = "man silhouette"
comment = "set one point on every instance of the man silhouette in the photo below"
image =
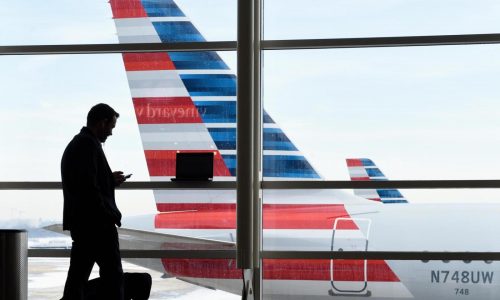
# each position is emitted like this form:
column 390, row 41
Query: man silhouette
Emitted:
column 90, row 212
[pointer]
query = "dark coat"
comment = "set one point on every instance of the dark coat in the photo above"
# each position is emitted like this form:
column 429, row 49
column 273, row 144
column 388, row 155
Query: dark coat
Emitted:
column 88, row 185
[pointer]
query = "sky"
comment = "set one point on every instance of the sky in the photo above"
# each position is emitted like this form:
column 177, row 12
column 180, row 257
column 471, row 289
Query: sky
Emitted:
column 418, row 112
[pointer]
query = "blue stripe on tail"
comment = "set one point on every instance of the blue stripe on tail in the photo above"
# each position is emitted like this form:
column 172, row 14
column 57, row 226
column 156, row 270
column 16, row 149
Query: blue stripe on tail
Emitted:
column 221, row 110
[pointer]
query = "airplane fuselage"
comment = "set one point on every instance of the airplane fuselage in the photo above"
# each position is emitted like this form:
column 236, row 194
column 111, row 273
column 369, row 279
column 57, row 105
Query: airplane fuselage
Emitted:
column 410, row 227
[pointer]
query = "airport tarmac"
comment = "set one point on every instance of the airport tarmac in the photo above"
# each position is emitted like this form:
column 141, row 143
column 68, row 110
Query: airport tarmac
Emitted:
column 46, row 277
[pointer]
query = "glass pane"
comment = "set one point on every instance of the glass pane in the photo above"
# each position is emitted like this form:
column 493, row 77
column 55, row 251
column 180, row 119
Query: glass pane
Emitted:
column 49, row 97
column 40, row 211
column 168, row 103
column 162, row 225
column 285, row 19
column 381, row 220
column 36, row 209
column 46, row 279
column 380, row 279
column 124, row 21
column 396, row 113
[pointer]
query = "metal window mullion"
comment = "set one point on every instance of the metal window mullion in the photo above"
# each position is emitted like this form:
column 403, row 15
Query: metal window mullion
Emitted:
column 116, row 48
column 231, row 185
column 244, row 136
column 403, row 41
column 139, row 253
column 135, row 185
column 385, row 255
column 231, row 254
column 257, row 148
column 407, row 184
column 257, row 144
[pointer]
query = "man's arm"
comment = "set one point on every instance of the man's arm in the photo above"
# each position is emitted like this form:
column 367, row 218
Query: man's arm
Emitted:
column 87, row 169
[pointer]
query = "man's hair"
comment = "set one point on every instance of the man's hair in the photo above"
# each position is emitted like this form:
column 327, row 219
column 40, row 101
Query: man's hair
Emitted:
column 100, row 112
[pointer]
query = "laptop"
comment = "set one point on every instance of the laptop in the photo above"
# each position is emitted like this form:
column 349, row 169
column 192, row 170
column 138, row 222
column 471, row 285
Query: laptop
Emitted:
column 194, row 166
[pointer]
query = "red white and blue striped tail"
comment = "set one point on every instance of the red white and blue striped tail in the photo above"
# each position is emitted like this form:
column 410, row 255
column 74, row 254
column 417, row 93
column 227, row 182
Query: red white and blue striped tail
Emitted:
column 186, row 101
column 364, row 169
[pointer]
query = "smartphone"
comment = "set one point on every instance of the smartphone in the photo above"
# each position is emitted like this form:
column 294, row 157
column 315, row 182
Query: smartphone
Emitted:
column 128, row 176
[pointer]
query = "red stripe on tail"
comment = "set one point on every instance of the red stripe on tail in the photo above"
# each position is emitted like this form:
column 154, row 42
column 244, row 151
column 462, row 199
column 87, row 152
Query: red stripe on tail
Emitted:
column 162, row 162
column 127, row 9
column 275, row 216
column 166, row 110
column 147, row 61
column 360, row 178
column 352, row 162
column 284, row 269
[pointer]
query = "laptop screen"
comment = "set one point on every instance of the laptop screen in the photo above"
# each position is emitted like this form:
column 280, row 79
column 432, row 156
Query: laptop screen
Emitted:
column 194, row 165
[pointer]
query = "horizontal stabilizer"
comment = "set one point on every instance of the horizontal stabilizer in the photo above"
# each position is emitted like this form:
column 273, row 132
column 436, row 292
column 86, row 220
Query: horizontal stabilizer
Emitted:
column 131, row 239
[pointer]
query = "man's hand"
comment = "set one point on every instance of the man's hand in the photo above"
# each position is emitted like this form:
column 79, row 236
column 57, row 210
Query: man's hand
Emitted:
column 119, row 178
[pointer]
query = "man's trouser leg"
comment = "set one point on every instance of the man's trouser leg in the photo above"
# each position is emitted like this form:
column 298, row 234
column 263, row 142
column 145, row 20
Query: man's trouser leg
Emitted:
column 80, row 266
column 110, row 265
column 92, row 246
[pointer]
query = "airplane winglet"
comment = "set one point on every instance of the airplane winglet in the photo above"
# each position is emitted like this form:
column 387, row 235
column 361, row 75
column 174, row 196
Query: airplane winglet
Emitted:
column 364, row 169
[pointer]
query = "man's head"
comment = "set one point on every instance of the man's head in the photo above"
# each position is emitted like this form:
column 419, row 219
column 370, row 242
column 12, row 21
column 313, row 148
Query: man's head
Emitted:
column 101, row 119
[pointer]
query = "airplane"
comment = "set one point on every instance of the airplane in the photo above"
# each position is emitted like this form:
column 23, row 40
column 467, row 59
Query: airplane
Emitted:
column 186, row 101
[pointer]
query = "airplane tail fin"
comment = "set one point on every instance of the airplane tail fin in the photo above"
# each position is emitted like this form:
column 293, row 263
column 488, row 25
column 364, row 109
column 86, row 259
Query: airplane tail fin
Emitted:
column 186, row 101
column 364, row 169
